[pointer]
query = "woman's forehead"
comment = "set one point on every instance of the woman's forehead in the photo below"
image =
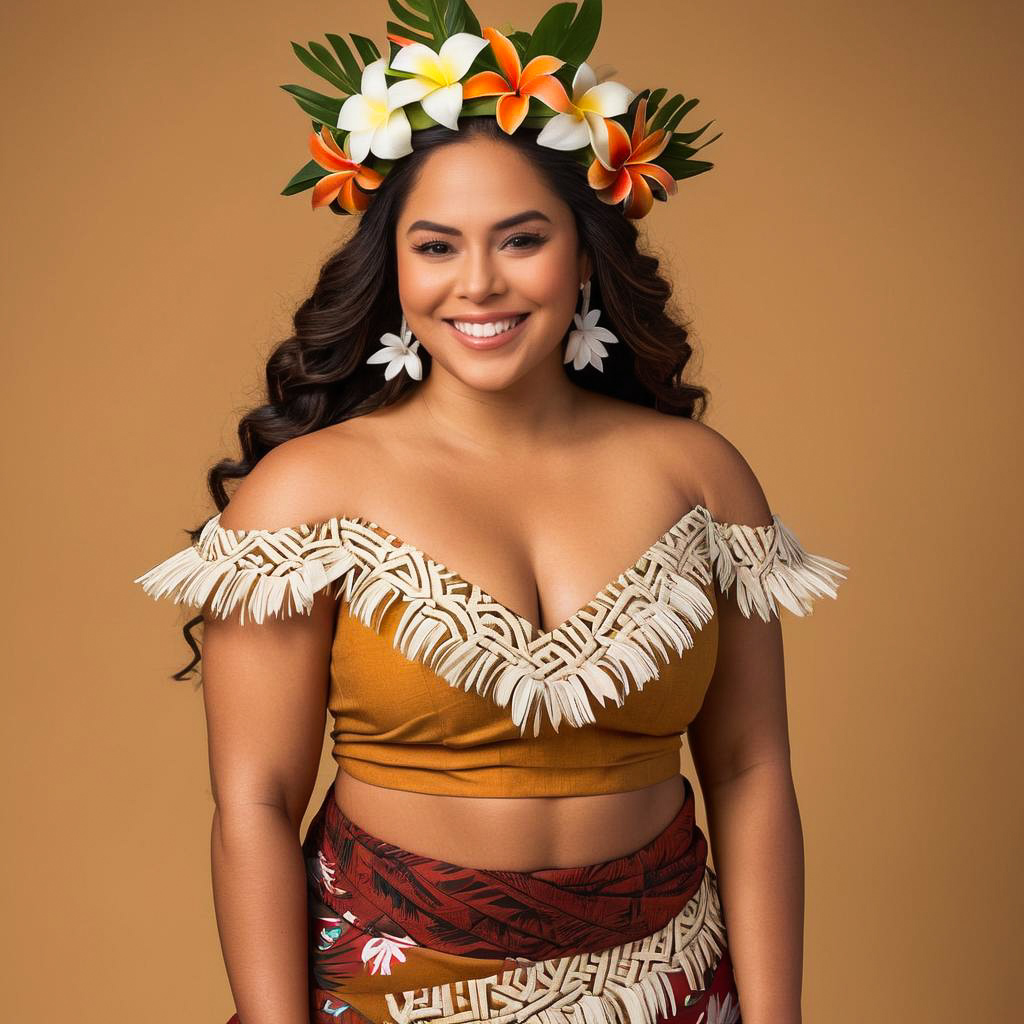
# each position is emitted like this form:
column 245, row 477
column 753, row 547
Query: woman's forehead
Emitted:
column 478, row 184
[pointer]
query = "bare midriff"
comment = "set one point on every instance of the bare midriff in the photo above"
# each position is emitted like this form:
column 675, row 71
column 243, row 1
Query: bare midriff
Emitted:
column 514, row 833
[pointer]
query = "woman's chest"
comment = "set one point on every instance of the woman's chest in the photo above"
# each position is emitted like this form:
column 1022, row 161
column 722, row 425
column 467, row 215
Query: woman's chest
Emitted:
column 423, row 655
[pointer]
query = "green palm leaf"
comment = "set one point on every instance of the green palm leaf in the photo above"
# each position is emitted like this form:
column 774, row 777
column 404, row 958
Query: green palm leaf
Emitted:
column 550, row 33
column 329, row 71
column 408, row 18
column 323, row 108
column 367, row 48
column 348, row 62
column 408, row 33
column 328, row 60
column 431, row 22
column 665, row 111
column 653, row 100
column 581, row 35
column 304, row 178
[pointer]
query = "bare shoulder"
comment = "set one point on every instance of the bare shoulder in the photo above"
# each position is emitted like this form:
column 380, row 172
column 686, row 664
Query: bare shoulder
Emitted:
column 702, row 465
column 308, row 479
column 729, row 487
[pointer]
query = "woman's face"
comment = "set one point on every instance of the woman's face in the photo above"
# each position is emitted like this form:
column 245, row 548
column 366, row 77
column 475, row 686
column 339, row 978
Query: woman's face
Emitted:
column 483, row 240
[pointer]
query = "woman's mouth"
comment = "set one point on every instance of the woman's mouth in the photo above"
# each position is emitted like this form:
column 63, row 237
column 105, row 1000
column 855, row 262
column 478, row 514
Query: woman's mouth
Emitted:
column 491, row 334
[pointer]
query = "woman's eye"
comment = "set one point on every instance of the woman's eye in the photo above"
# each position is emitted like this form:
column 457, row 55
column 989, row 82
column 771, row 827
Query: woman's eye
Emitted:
column 437, row 247
column 427, row 246
column 530, row 240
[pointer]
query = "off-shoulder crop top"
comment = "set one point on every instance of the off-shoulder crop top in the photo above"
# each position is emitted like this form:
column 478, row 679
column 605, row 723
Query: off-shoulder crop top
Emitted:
column 436, row 687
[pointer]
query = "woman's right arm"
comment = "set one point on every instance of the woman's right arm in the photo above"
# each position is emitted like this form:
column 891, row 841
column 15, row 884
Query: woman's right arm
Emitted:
column 265, row 693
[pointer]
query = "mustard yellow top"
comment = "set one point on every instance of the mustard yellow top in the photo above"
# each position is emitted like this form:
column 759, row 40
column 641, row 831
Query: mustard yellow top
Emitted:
column 437, row 687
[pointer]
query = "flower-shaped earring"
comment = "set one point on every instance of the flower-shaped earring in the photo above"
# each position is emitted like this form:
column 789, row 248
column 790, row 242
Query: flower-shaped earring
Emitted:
column 585, row 343
column 399, row 352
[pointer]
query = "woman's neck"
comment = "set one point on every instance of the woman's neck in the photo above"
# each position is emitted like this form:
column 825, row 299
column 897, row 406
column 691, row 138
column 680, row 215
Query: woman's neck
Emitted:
column 535, row 411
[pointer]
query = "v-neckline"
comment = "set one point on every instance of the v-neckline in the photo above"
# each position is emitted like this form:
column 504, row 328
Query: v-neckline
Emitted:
column 538, row 637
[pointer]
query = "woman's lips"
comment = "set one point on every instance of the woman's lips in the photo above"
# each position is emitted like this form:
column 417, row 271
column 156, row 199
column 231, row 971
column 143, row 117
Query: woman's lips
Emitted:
column 495, row 341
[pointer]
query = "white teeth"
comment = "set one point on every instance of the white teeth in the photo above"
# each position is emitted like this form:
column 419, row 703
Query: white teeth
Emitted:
column 488, row 330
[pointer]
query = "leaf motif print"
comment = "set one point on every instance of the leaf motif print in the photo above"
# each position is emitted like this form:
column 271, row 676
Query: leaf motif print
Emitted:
column 724, row 1012
column 326, row 870
column 383, row 948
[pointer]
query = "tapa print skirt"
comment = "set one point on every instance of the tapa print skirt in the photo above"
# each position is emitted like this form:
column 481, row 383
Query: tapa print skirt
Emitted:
column 398, row 937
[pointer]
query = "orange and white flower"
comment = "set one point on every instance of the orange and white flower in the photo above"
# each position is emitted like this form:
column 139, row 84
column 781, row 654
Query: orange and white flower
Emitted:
column 346, row 174
column 518, row 84
column 623, row 178
column 585, row 121
column 374, row 118
column 437, row 83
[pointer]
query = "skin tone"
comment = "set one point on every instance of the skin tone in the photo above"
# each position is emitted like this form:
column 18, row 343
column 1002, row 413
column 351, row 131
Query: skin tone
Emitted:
column 482, row 233
column 507, row 416
column 466, row 265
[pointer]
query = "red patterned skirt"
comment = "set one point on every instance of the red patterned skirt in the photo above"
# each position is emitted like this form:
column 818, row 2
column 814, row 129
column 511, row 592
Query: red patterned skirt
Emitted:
column 397, row 937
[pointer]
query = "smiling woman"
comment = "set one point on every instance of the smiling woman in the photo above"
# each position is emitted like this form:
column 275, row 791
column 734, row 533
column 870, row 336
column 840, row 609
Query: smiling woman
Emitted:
column 508, row 833
column 484, row 270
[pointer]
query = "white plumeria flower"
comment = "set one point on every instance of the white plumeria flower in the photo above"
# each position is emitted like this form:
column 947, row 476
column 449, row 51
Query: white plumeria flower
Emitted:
column 384, row 948
column 374, row 118
column 586, row 342
column 584, row 123
column 397, row 352
column 437, row 84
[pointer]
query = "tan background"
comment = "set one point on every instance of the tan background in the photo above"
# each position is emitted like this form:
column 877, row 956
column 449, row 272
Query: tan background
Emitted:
column 853, row 264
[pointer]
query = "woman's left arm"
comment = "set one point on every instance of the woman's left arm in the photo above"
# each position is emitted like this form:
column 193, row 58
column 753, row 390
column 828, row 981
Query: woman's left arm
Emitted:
column 740, row 747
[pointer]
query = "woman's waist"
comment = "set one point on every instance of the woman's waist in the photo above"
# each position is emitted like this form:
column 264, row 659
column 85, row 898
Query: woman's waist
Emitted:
column 513, row 833
column 395, row 893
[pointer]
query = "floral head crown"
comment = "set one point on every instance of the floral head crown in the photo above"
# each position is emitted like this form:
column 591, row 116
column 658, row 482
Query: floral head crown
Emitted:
column 443, row 67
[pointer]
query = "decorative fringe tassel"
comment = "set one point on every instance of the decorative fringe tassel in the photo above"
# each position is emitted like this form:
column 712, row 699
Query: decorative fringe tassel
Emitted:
column 265, row 572
column 627, row 984
column 619, row 640
column 601, row 652
column 768, row 564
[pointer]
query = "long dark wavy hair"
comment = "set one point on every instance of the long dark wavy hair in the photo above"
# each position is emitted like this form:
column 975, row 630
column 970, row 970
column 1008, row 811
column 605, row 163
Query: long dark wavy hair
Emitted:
column 319, row 376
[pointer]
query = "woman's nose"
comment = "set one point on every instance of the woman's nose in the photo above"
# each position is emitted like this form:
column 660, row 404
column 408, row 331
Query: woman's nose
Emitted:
column 480, row 275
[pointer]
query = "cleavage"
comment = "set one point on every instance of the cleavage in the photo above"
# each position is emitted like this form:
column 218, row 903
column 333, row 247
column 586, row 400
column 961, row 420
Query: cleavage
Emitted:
column 505, row 570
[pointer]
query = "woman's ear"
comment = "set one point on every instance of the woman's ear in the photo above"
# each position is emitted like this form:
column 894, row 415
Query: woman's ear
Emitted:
column 585, row 267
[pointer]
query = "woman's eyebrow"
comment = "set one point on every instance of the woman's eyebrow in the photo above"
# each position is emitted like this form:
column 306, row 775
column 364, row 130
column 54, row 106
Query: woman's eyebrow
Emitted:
column 508, row 222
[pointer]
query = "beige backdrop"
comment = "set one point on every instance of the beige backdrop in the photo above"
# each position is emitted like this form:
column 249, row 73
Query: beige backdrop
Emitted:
column 853, row 265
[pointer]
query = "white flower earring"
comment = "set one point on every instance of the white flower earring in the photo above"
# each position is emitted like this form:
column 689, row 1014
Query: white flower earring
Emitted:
column 587, row 341
column 399, row 352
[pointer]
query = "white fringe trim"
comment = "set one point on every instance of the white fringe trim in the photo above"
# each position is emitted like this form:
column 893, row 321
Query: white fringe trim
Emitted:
column 626, row 984
column 768, row 565
column 472, row 641
column 263, row 572
column 621, row 639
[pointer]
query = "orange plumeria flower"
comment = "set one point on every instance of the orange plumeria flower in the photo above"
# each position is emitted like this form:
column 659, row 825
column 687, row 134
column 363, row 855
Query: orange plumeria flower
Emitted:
column 630, row 158
column 519, row 84
column 347, row 174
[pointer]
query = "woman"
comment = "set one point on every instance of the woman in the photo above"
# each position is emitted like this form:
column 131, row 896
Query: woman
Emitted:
column 508, row 834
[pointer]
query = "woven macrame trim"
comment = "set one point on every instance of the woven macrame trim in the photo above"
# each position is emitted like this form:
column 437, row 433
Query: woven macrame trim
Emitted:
column 621, row 639
column 767, row 564
column 626, row 983
column 262, row 572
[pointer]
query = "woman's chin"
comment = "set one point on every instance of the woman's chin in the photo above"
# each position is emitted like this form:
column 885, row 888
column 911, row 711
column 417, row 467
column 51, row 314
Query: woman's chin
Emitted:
column 500, row 371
